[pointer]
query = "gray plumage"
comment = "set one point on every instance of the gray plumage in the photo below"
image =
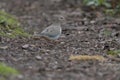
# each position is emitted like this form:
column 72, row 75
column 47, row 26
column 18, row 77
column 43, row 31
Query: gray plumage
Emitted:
column 53, row 31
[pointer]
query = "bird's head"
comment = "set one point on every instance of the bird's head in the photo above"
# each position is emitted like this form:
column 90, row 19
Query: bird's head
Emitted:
column 59, row 19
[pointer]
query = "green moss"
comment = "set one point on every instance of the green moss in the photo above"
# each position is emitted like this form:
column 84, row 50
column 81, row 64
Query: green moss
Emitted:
column 2, row 78
column 97, row 3
column 6, row 70
column 10, row 26
column 113, row 52
column 107, row 32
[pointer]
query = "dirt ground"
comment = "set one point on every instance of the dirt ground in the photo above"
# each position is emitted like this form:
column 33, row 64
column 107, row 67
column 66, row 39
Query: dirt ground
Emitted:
column 84, row 33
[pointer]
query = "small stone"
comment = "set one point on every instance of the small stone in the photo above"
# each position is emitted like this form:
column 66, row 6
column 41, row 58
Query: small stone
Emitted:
column 38, row 57
column 30, row 67
column 25, row 46
column 62, row 42
column 92, row 22
column 79, row 32
column 20, row 76
column 3, row 47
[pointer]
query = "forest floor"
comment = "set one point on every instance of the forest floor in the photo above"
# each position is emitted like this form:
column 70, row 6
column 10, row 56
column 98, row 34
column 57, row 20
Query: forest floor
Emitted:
column 84, row 33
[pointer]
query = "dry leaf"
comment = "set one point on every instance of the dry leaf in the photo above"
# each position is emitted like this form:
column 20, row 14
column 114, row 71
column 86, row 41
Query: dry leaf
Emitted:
column 87, row 57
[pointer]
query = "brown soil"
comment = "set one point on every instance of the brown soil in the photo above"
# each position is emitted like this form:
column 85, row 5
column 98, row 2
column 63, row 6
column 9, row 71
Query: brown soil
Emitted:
column 83, row 33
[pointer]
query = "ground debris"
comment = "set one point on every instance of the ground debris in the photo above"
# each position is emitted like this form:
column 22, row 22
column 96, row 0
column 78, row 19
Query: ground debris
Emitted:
column 87, row 57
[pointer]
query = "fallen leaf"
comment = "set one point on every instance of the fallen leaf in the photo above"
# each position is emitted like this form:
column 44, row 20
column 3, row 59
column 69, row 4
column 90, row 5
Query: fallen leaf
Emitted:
column 25, row 46
column 87, row 57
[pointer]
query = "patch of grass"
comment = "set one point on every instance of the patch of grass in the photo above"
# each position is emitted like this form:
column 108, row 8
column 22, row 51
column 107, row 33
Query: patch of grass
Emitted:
column 10, row 26
column 107, row 32
column 117, row 9
column 109, row 7
column 113, row 12
column 6, row 70
column 96, row 3
column 2, row 78
column 110, row 12
column 113, row 52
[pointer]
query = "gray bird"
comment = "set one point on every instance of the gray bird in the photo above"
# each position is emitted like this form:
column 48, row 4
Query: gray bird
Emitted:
column 53, row 31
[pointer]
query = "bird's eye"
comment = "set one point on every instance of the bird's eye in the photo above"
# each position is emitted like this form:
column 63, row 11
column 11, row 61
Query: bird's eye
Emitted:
column 48, row 30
